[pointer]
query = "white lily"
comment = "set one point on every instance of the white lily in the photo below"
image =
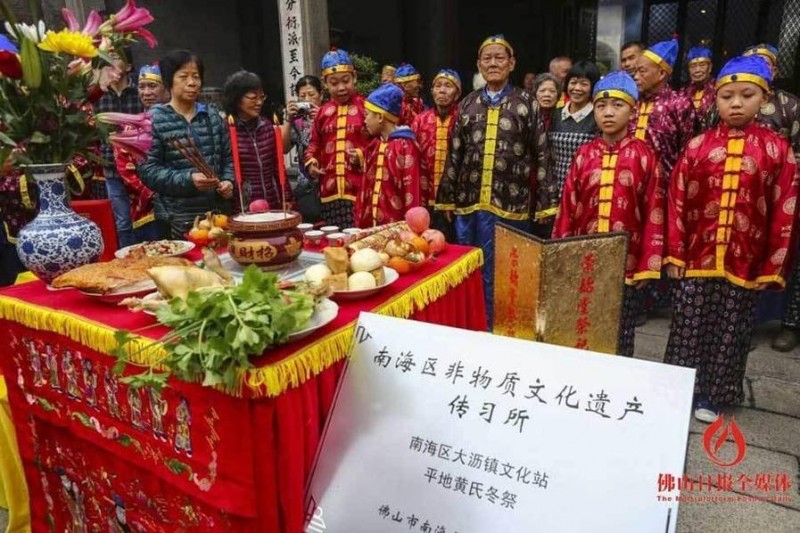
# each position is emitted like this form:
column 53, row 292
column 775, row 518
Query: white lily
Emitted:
column 33, row 32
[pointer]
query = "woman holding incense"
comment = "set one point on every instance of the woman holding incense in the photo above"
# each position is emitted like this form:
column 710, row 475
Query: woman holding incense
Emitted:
column 243, row 97
column 189, row 165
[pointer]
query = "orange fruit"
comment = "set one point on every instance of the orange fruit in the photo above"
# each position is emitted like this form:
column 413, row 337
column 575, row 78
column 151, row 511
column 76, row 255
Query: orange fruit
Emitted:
column 400, row 265
column 221, row 221
column 420, row 245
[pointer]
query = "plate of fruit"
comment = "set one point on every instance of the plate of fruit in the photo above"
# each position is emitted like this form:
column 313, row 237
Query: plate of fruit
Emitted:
column 211, row 230
column 351, row 277
column 409, row 250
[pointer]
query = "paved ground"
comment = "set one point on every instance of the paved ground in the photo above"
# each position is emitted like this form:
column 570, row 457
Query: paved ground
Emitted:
column 770, row 421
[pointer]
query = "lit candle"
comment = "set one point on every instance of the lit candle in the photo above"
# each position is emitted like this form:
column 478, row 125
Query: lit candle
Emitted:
column 281, row 165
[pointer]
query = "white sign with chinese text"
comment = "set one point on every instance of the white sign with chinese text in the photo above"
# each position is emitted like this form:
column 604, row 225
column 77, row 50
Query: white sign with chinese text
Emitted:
column 290, row 14
column 437, row 429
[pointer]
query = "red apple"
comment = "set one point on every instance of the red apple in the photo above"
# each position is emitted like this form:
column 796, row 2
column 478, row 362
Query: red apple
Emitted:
column 259, row 206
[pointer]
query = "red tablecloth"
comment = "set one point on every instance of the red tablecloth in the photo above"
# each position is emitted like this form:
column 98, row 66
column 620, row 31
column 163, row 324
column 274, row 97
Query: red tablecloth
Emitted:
column 188, row 458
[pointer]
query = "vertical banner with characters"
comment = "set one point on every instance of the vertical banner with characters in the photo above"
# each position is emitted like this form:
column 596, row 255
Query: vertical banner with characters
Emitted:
column 567, row 292
column 291, row 21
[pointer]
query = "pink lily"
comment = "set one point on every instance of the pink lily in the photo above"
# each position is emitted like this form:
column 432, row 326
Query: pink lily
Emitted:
column 79, row 67
column 93, row 22
column 141, row 121
column 136, row 142
column 131, row 19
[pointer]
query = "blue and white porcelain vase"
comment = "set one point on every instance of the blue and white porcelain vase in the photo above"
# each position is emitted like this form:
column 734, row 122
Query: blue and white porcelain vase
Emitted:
column 58, row 239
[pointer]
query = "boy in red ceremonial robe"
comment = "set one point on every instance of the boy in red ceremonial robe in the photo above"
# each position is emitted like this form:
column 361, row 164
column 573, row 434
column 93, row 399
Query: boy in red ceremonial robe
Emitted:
column 335, row 152
column 434, row 131
column 407, row 77
column 614, row 184
column 732, row 206
column 392, row 178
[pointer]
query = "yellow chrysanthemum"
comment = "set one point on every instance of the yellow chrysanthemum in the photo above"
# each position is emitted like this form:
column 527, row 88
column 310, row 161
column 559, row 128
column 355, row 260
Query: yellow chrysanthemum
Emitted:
column 69, row 42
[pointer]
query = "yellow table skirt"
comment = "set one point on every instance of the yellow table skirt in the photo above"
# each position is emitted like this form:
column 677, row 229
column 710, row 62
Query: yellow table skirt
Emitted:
column 13, row 489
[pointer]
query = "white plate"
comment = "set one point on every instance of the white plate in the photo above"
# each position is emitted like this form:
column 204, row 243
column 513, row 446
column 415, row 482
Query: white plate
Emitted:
column 324, row 314
column 391, row 276
column 132, row 291
column 186, row 246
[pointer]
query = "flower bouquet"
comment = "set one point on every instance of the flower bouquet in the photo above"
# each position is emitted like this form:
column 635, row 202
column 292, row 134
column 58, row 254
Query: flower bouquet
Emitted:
column 47, row 83
column 47, row 88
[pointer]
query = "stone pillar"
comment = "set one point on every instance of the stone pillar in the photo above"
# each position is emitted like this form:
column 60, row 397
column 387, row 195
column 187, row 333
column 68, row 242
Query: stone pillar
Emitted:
column 304, row 38
column 316, row 33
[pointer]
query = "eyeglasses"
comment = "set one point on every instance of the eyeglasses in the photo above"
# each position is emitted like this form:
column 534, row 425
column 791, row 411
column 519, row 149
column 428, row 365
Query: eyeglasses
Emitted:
column 261, row 97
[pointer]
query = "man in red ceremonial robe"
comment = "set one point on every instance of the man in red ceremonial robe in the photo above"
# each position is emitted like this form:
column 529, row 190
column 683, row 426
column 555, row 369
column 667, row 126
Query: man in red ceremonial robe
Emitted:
column 335, row 153
column 407, row 77
column 392, row 179
column 664, row 118
column 434, row 131
column 614, row 184
column 700, row 90
column 732, row 208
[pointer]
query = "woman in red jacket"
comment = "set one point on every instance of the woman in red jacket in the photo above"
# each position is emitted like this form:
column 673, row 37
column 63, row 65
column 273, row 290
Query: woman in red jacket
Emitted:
column 243, row 98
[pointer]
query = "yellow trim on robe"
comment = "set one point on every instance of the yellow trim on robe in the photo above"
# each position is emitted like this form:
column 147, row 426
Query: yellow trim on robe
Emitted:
column 645, row 108
column 730, row 193
column 341, row 155
column 144, row 220
column 9, row 238
column 606, row 194
column 489, row 147
column 698, row 98
column 440, row 155
column 376, row 190
column 491, row 209
column 545, row 213
column 669, row 260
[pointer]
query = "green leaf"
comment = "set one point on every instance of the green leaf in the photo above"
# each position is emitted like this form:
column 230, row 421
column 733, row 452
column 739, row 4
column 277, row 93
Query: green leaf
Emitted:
column 5, row 139
column 39, row 138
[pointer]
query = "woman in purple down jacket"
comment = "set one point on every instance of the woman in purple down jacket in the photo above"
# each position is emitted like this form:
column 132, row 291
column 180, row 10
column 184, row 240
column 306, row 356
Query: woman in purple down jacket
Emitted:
column 243, row 98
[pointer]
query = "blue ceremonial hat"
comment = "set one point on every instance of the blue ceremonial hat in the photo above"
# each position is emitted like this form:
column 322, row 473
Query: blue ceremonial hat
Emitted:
column 406, row 72
column 496, row 39
column 151, row 72
column 7, row 46
column 763, row 49
column 752, row 68
column 698, row 53
column 386, row 100
column 450, row 75
column 617, row 84
column 336, row 61
column 663, row 54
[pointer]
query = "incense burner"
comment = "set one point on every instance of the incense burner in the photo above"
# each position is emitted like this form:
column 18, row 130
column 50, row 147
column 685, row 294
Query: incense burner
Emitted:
column 268, row 240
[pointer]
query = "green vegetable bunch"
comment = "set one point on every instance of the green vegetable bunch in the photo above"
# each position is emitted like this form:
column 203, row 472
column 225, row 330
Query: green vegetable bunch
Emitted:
column 215, row 331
